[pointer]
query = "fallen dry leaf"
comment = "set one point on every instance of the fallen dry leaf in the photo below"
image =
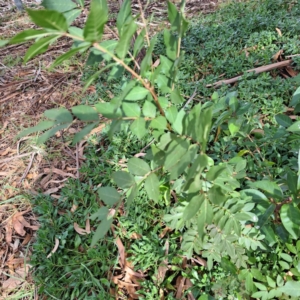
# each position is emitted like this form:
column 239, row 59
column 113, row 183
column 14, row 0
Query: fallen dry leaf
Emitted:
column 79, row 230
column 11, row 283
column 54, row 249
column 277, row 55
column 121, row 249
column 8, row 231
column 278, row 31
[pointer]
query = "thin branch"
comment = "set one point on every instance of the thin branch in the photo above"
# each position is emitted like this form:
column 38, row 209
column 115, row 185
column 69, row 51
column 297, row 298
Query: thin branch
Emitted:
column 258, row 70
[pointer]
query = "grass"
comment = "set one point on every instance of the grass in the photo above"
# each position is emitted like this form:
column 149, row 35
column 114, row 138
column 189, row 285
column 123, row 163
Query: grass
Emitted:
column 236, row 38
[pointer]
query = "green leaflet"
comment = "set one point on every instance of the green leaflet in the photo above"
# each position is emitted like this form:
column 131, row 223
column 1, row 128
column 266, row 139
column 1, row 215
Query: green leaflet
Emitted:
column 193, row 207
column 49, row 19
column 123, row 179
column 291, row 288
column 59, row 115
column 51, row 132
column 39, row 47
column 290, row 218
column 96, row 20
column 29, row 34
column 101, row 231
column 43, row 125
column 123, row 15
column 139, row 127
column 152, row 187
column 67, row 55
column 125, row 38
column 85, row 113
column 58, row 5
column 109, row 195
column 137, row 166
column 137, row 93
column 131, row 109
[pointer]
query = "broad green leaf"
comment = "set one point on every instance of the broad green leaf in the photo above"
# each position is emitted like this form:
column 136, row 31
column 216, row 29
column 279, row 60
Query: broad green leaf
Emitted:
column 137, row 93
column 108, row 110
column 159, row 122
column 233, row 126
column 207, row 211
column 167, row 67
column 137, row 166
column 82, row 133
column 131, row 109
column 109, row 195
column 291, row 288
column 149, row 109
column 59, row 5
column 270, row 237
column 72, row 15
column 59, row 115
column 171, row 43
column 177, row 169
column 193, row 207
column 216, row 195
column 290, row 218
column 139, row 43
column 295, row 127
column 174, row 17
column 123, row 15
column 152, row 187
column 76, row 32
column 269, row 187
column 139, row 127
column 164, row 83
column 29, row 34
column 125, row 38
column 85, row 113
column 296, row 98
column 283, row 120
column 201, row 226
column 147, row 60
column 49, row 19
column 175, row 152
column 51, row 132
column 67, row 55
column 38, row 47
column 203, row 126
column 214, row 172
column 41, row 126
column 178, row 124
column 171, row 114
column 260, row 295
column 131, row 194
column 100, row 214
column 123, row 179
column 176, row 97
column 257, row 196
column 101, row 231
column 96, row 20
column 265, row 217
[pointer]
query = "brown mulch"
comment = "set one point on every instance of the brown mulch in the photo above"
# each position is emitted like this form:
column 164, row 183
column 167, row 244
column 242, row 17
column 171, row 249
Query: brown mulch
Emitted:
column 25, row 168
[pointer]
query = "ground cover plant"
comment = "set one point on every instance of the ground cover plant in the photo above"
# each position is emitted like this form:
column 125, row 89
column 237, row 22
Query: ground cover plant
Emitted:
column 202, row 192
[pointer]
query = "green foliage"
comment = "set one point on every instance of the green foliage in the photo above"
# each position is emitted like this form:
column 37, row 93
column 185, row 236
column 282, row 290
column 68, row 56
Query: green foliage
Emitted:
column 226, row 183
